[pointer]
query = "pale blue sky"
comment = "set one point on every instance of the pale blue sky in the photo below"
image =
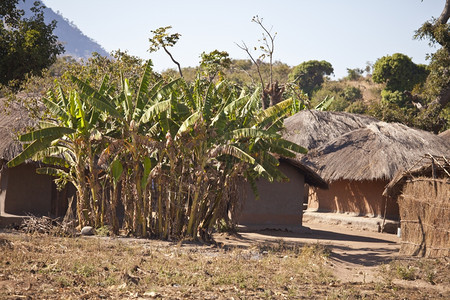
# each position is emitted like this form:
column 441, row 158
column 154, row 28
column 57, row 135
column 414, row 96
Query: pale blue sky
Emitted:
column 347, row 33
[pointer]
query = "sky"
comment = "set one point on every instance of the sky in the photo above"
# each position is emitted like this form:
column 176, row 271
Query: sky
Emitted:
column 346, row 33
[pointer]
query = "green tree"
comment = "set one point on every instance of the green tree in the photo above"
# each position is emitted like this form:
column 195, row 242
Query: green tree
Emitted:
column 162, row 39
column 34, row 87
column 27, row 45
column 438, row 82
column 423, row 106
column 214, row 63
column 354, row 74
column 310, row 75
column 437, row 30
column 352, row 94
column 399, row 72
column 9, row 11
column 65, row 140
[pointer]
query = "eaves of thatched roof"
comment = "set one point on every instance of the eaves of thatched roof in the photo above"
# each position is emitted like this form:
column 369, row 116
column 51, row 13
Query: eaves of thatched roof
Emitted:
column 313, row 128
column 311, row 177
column 376, row 152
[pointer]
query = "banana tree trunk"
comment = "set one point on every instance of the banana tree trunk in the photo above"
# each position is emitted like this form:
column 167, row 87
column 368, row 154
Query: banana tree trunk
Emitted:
column 191, row 229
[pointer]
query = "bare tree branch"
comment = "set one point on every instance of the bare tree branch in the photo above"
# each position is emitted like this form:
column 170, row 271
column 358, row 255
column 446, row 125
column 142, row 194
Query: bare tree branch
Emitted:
column 445, row 15
column 245, row 48
column 269, row 49
column 174, row 61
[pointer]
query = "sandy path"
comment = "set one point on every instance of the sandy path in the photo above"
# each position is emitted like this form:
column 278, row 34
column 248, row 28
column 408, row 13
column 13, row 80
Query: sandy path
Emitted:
column 355, row 254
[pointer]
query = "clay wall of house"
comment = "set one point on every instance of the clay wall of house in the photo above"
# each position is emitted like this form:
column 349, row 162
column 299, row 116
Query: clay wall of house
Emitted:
column 358, row 197
column 25, row 192
column 280, row 203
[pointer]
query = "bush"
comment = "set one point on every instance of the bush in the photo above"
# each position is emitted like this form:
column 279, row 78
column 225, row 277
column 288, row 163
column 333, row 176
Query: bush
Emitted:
column 352, row 94
column 339, row 104
column 399, row 72
column 358, row 107
column 398, row 98
column 354, row 74
column 343, row 94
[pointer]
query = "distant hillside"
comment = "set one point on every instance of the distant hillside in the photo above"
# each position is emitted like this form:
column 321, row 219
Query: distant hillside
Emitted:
column 75, row 42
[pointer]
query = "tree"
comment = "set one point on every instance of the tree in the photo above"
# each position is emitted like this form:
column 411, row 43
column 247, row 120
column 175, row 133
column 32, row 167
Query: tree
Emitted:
column 272, row 92
column 214, row 63
column 438, row 82
column 162, row 39
column 354, row 74
column 64, row 141
column 9, row 11
column 425, row 106
column 309, row 75
column 437, row 30
column 399, row 72
column 27, row 45
column 401, row 76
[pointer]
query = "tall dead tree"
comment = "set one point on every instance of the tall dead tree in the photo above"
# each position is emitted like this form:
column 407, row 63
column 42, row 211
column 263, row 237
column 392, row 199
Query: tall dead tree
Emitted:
column 272, row 92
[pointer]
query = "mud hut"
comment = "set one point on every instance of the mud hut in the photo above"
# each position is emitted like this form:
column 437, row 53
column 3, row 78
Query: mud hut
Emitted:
column 423, row 195
column 22, row 191
column 280, row 204
column 359, row 163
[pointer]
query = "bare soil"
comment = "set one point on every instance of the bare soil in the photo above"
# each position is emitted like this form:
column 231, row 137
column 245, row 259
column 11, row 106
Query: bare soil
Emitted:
column 359, row 255
column 355, row 254
column 322, row 262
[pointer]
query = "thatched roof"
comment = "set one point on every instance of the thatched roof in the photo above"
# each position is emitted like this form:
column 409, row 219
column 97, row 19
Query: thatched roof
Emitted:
column 445, row 135
column 375, row 152
column 313, row 128
column 12, row 120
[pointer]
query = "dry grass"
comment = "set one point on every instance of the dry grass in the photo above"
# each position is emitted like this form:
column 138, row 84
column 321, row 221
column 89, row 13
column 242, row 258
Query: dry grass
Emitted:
column 46, row 267
column 371, row 92
column 434, row 271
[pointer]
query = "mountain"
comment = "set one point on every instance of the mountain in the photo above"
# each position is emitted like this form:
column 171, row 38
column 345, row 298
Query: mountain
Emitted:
column 76, row 43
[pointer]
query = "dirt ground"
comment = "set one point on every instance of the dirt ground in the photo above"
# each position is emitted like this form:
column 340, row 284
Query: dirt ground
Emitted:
column 319, row 261
column 357, row 255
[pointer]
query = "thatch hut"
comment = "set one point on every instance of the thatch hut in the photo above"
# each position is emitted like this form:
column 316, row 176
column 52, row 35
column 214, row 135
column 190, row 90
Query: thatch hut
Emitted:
column 280, row 204
column 22, row 191
column 312, row 128
column 423, row 195
column 445, row 135
column 358, row 164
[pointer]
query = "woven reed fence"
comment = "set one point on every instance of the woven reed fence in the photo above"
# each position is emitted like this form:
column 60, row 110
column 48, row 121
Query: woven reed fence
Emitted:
column 425, row 217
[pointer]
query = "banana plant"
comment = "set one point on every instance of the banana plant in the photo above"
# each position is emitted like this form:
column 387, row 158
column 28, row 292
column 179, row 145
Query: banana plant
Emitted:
column 229, row 133
column 66, row 143
column 176, row 152
column 325, row 103
column 136, row 119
